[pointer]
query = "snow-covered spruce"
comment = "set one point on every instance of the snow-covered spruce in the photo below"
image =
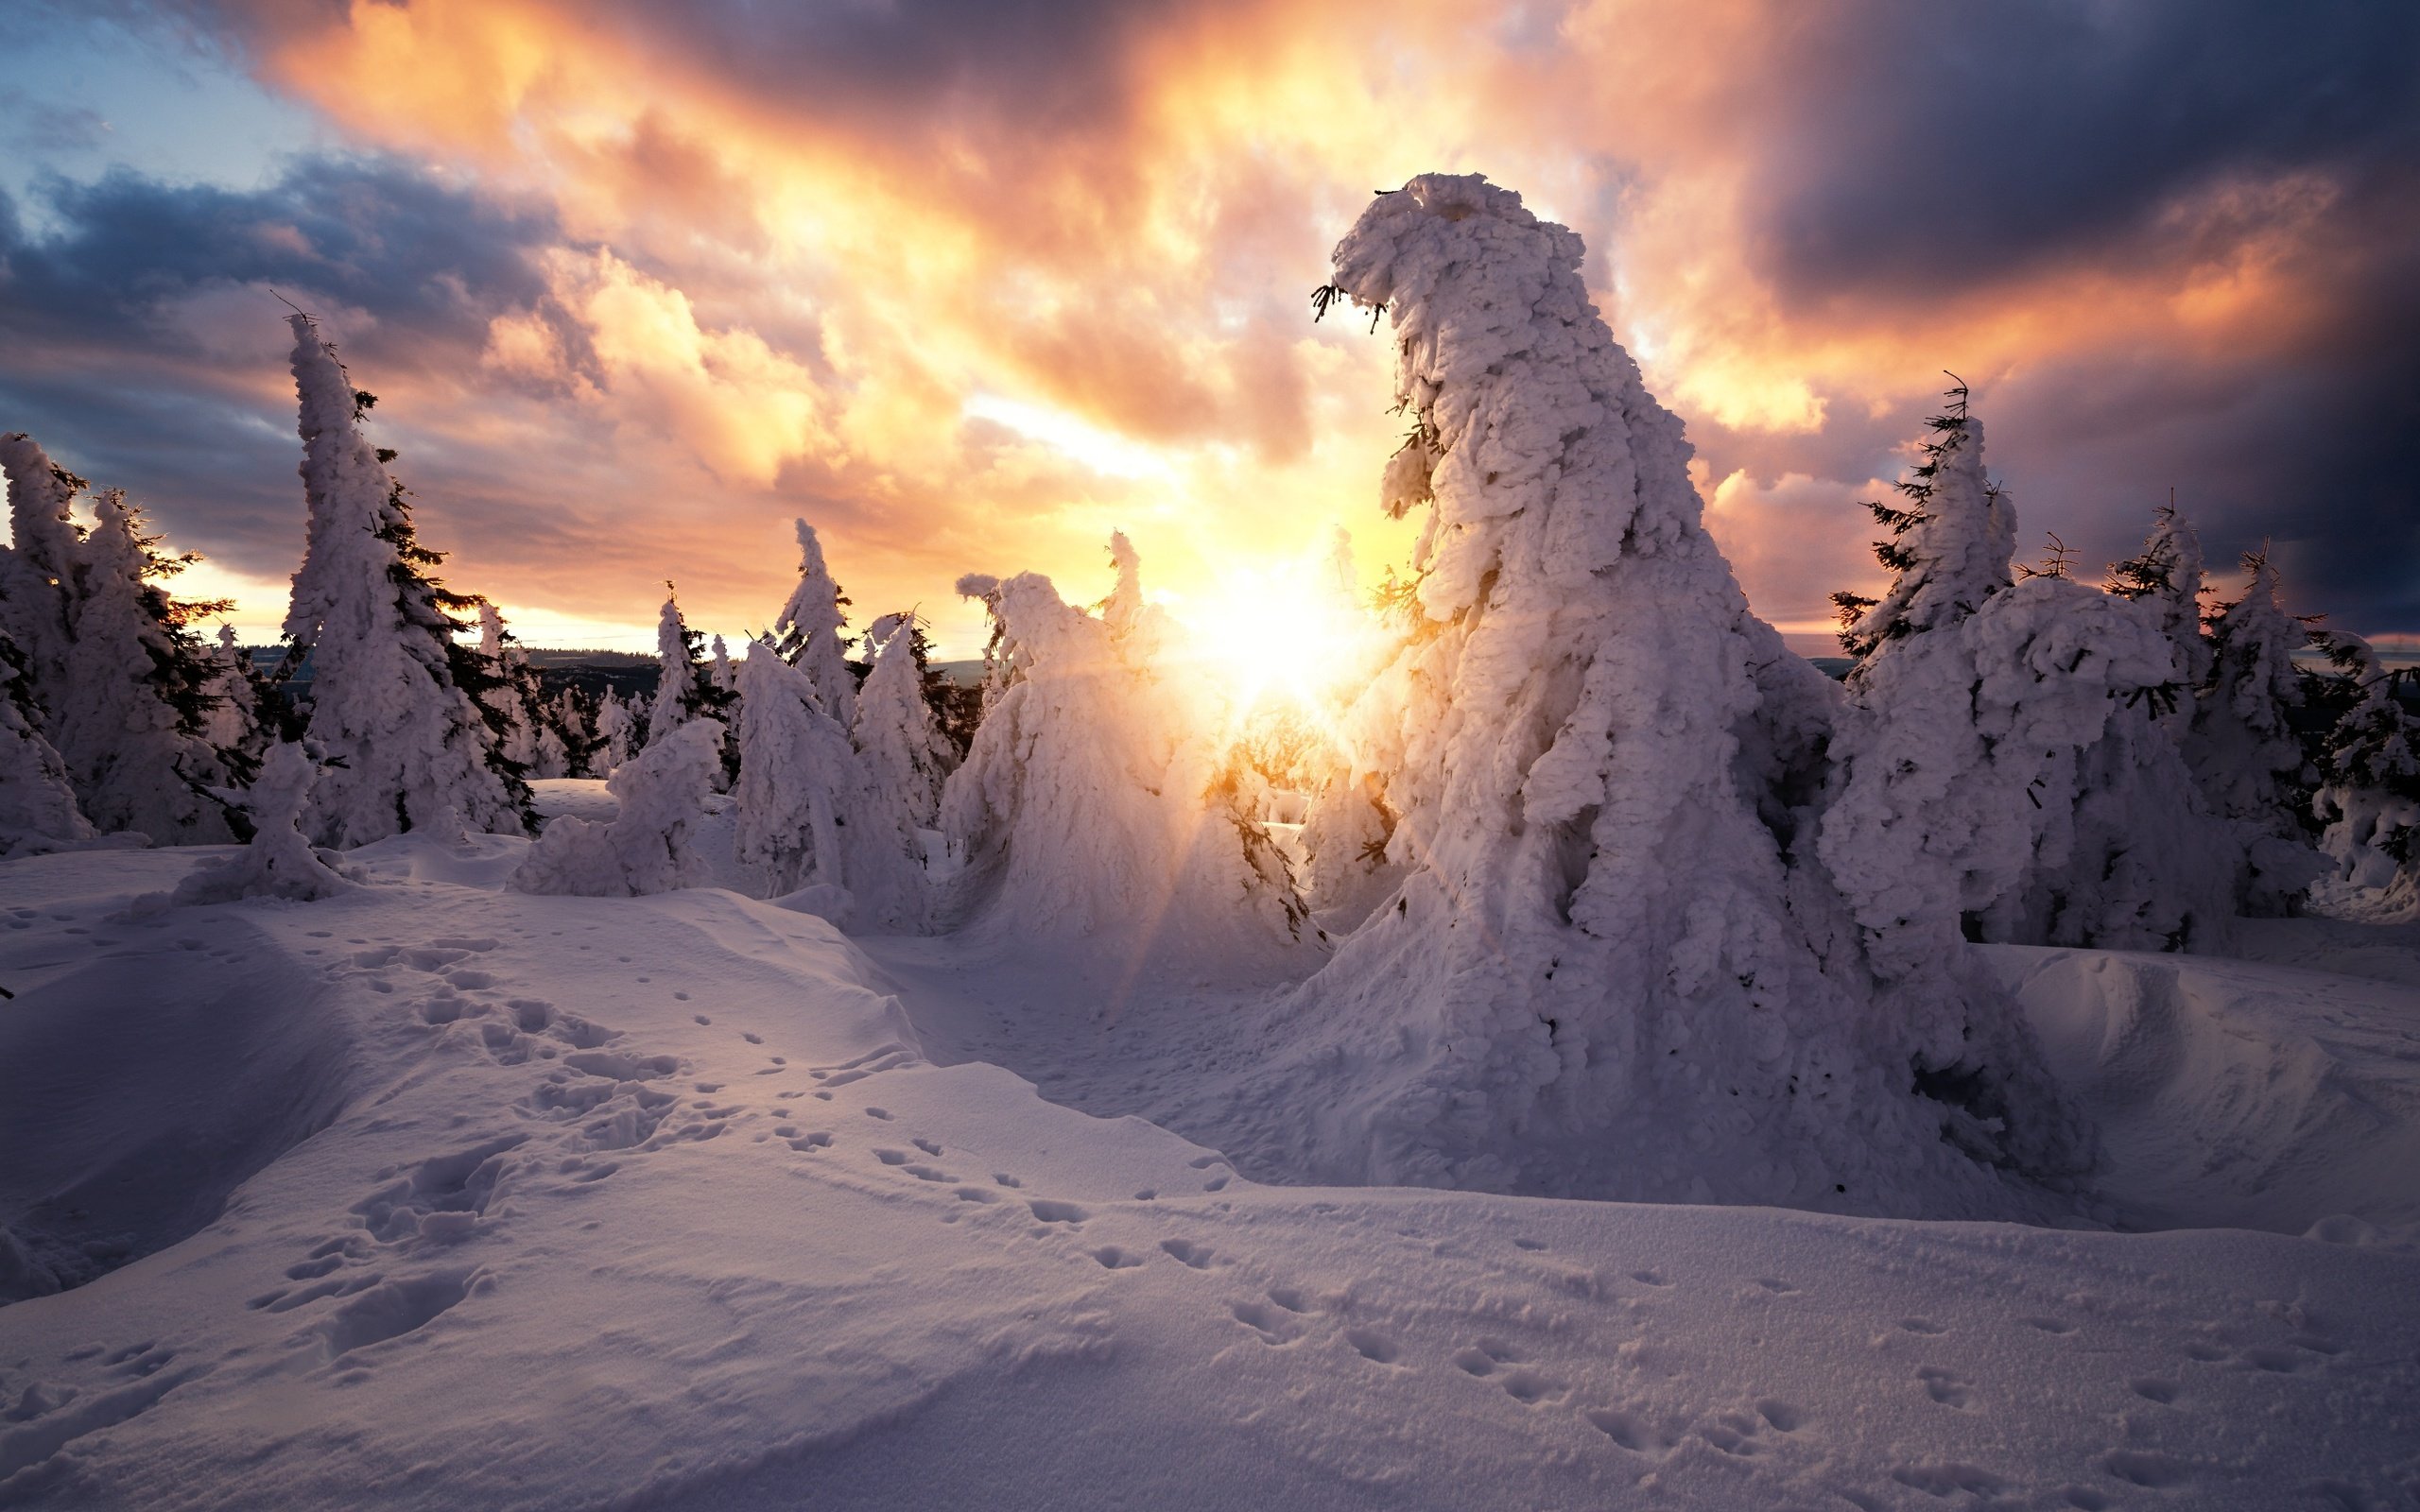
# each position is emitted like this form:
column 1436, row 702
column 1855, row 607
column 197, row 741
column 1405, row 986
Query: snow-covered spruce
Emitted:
column 906, row 758
column 232, row 723
column 719, row 670
column 573, row 723
column 810, row 630
column 127, row 719
column 1601, row 977
column 1074, row 817
column 2370, row 800
column 2004, row 771
column 407, row 747
column 37, row 811
column 617, row 734
column 511, row 698
column 2166, row 579
column 2242, row 747
column 39, row 571
column 279, row 861
column 650, row 845
column 685, row 688
column 811, row 812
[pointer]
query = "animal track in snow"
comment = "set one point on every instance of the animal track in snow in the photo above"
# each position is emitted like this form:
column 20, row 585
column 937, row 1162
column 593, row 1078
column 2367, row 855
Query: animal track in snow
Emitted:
column 1650, row 1278
column 2153, row 1388
column 1112, row 1258
column 1048, row 1211
column 1945, row 1386
column 393, row 1309
column 1272, row 1326
column 1372, row 1345
column 1185, row 1252
column 1925, row 1327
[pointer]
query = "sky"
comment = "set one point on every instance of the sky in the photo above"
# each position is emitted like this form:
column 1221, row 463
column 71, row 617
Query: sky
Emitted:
column 969, row 283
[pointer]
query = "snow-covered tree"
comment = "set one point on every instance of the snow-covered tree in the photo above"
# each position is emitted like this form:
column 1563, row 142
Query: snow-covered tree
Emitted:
column 2165, row 577
column 135, row 695
column 685, row 688
column 2003, row 773
column 1073, row 815
column 232, row 723
column 38, row 811
column 506, row 699
column 650, row 845
column 2370, row 799
column 905, row 756
column 720, row 670
column 810, row 630
column 616, row 733
column 1600, row 974
column 571, row 726
column 2241, row 744
column 809, row 814
column 38, row 573
column 407, row 745
column 279, row 861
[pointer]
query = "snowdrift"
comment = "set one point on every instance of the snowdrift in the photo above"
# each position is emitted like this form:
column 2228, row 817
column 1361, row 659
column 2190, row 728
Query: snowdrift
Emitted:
column 653, row 1202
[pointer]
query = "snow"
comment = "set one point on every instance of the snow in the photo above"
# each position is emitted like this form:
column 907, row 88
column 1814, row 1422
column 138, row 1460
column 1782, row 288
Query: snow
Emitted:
column 674, row 1202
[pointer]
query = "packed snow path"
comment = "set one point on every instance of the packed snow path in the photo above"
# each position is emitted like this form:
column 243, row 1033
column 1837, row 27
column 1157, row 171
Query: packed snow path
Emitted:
column 559, row 1202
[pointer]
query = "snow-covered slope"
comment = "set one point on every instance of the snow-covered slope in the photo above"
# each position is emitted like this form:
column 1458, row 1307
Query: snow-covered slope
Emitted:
column 651, row 1202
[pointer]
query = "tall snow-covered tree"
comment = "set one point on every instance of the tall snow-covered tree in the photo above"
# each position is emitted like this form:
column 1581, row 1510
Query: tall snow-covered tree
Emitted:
column 907, row 757
column 720, row 668
column 40, row 571
column 136, row 694
column 37, row 811
column 510, row 696
column 650, row 845
column 1600, row 976
column 405, row 744
column 2369, row 800
column 809, row 628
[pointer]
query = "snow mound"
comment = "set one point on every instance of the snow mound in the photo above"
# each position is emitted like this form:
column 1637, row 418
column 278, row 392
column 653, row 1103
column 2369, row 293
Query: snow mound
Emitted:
column 2233, row 1094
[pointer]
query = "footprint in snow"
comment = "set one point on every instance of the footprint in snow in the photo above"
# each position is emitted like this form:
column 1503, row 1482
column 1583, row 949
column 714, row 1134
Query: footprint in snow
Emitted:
column 1945, row 1386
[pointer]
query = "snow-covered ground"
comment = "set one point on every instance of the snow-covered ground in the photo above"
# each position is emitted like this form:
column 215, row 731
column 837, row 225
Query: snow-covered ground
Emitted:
column 438, row 1195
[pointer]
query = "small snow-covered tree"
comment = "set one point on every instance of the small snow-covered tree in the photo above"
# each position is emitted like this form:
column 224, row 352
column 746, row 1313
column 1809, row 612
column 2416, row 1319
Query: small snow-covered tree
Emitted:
column 1602, row 974
column 650, row 845
column 2369, row 800
column 907, row 757
column 720, row 670
column 37, row 811
column 135, row 695
column 2003, row 772
column 407, row 745
column 809, row 628
column 685, row 688
column 809, row 813
column 2165, row 577
column 616, row 733
column 232, row 723
column 278, row 861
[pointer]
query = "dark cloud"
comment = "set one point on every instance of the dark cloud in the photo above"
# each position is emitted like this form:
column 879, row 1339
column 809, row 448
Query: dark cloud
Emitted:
column 1936, row 146
column 370, row 232
column 113, row 369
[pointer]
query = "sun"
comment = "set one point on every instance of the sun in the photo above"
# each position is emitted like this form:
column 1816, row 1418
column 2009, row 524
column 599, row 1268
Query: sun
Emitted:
column 1289, row 632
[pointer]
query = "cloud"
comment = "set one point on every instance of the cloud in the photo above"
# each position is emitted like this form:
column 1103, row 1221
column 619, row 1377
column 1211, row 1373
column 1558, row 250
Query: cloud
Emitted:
column 641, row 282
